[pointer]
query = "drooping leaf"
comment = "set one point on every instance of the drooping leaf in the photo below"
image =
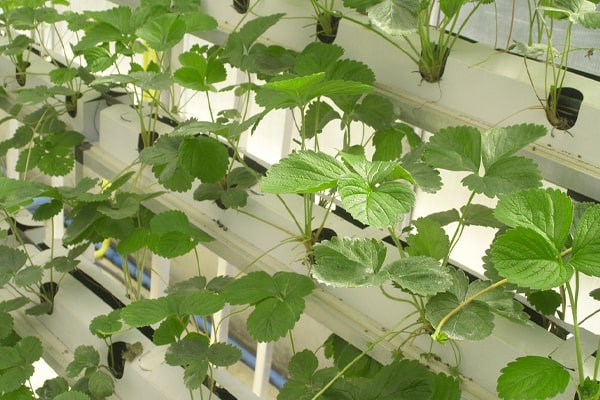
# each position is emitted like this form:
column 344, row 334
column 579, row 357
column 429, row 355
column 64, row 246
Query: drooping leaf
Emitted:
column 586, row 243
column 528, row 259
column 532, row 378
column 344, row 354
column 420, row 275
column 480, row 215
column 349, row 262
column 303, row 172
column 545, row 301
column 318, row 115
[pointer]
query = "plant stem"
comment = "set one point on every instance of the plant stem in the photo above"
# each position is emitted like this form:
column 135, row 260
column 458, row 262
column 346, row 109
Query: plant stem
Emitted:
column 389, row 332
column 459, row 229
column 573, row 297
column 435, row 335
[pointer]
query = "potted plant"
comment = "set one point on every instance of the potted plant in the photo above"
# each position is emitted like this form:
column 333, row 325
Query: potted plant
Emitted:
column 435, row 39
column 560, row 103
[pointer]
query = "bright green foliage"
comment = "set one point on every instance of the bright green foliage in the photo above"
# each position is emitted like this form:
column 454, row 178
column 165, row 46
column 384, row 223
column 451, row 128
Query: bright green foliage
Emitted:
column 532, row 378
column 223, row 354
column 350, row 262
column 72, row 396
column 394, row 17
column 400, row 380
column 303, row 172
column 586, row 243
column 104, row 326
column 343, row 353
column 545, row 301
column 11, row 261
column 191, row 352
column 278, row 301
column 199, row 71
column 52, row 388
column 172, row 235
column 16, row 363
column 466, row 149
column 84, row 357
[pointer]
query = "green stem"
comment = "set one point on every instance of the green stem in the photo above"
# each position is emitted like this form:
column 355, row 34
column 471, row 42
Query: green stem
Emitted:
column 459, row 229
column 573, row 297
column 389, row 332
column 457, row 309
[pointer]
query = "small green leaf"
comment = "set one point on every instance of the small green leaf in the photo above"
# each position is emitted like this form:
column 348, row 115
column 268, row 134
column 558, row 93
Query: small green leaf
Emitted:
column 529, row 260
column 163, row 33
column 28, row 276
column 52, row 388
column 223, row 354
column 250, row 289
column 11, row 261
column 502, row 142
column 134, row 241
column 423, row 276
column 446, row 388
column 349, row 262
column 388, row 144
column 84, row 357
column 317, row 116
column 532, row 378
column 105, row 326
column 169, row 331
column 545, row 301
column 455, row 149
column 480, row 215
column 430, row 240
column 72, row 396
column 303, row 365
column 303, row 172
column 400, row 380
column 272, row 318
column 395, row 17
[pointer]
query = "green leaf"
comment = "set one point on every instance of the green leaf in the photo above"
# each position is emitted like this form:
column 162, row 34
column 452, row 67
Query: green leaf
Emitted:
column 423, row 276
column 344, row 354
column 105, row 326
column 451, row 7
column 548, row 212
column 72, row 396
column 446, row 388
column 528, row 259
column 317, row 116
column 101, row 385
column 52, row 388
column 430, row 240
column 532, row 378
column 455, row 149
column 377, row 204
column 303, row 365
column 204, row 157
column 545, row 301
column 395, row 17
column 250, row 289
column 169, row 331
column 192, row 353
column 388, row 144
column 473, row 322
column 163, row 33
column 272, row 318
column 303, row 172
column 200, row 303
column 502, row 142
column 504, row 176
column 60, row 76
column 6, row 324
column 145, row 312
column 586, row 243
column 349, row 262
column 134, row 241
column 11, row 261
column 480, row 215
column 84, row 357
column 400, row 380
column 13, row 378
column 223, row 354
column 12, row 304
column 376, row 111
column 28, row 276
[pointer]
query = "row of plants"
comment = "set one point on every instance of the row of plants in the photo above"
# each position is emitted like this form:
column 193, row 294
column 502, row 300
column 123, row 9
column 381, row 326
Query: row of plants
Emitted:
column 544, row 241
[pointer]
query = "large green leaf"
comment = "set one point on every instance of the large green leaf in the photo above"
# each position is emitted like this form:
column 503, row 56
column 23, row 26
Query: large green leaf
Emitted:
column 529, row 259
column 532, row 378
column 223, row 354
column 396, row 17
column 11, row 261
column 455, row 149
column 303, row 172
column 317, row 116
column 101, row 384
column 548, row 212
column 379, row 204
column 204, row 157
column 423, row 276
column 504, row 176
column 349, row 262
column 586, row 243
column 192, row 353
column 163, row 33
column 145, row 312
column 84, row 357
column 451, row 7
column 502, row 142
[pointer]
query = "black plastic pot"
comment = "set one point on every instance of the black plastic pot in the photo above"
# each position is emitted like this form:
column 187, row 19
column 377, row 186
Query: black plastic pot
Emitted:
column 327, row 27
column 433, row 65
column 21, row 74
column 116, row 358
column 324, row 234
column 241, row 6
column 563, row 111
column 71, row 104
column 141, row 145
column 48, row 291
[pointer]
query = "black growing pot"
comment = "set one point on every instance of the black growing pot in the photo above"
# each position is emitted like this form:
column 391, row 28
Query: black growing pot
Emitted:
column 116, row 358
column 21, row 74
column 48, row 291
column 141, row 146
column 241, row 6
column 71, row 104
column 563, row 111
column 327, row 27
column 324, row 234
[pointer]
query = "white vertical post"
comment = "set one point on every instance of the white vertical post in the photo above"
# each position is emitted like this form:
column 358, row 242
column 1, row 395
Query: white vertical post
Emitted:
column 223, row 268
column 160, row 272
column 264, row 357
